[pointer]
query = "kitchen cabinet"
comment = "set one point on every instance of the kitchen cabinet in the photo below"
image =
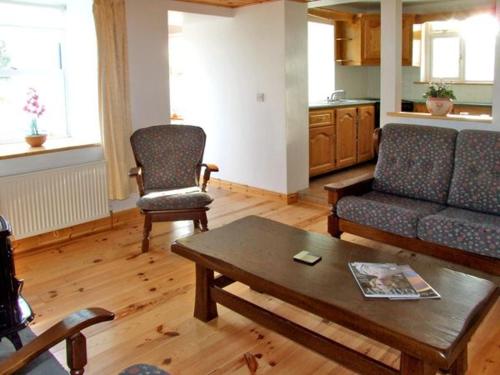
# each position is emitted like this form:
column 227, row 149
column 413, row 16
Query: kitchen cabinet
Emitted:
column 346, row 136
column 321, row 149
column 366, row 126
column 358, row 40
column 370, row 39
column 321, row 141
column 340, row 137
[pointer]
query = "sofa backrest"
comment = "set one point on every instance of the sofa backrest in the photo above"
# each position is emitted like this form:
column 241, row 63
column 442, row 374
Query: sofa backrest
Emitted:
column 415, row 161
column 475, row 183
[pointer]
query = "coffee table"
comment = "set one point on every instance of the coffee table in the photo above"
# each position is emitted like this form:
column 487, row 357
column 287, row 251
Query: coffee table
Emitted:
column 431, row 334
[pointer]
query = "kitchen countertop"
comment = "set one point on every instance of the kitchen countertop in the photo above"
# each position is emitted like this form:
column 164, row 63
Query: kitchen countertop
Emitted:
column 341, row 103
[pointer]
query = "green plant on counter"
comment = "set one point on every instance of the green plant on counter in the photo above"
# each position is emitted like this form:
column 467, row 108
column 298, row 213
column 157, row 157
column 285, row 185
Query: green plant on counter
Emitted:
column 4, row 59
column 439, row 90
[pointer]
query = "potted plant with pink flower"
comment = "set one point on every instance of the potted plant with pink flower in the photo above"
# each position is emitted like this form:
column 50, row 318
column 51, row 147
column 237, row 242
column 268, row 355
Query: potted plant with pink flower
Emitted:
column 440, row 98
column 35, row 109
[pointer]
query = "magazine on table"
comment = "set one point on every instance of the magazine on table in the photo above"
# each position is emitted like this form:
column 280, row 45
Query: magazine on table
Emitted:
column 389, row 280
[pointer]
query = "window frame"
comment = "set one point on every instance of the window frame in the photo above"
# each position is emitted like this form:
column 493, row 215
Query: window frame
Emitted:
column 428, row 36
column 58, row 72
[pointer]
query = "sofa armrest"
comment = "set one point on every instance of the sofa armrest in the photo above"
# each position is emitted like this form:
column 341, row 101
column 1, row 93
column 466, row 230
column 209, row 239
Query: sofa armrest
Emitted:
column 336, row 190
column 353, row 186
column 68, row 329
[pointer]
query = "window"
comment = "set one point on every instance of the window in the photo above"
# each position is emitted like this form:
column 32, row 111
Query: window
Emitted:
column 321, row 60
column 461, row 51
column 36, row 52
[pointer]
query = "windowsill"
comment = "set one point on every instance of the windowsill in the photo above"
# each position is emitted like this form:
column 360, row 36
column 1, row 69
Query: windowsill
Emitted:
column 18, row 150
column 473, row 83
column 427, row 116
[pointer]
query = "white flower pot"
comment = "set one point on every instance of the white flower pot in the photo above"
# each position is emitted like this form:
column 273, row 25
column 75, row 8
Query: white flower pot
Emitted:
column 439, row 106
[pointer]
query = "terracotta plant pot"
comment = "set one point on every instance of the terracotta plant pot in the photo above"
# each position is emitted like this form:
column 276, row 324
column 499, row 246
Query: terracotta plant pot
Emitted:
column 36, row 140
column 439, row 106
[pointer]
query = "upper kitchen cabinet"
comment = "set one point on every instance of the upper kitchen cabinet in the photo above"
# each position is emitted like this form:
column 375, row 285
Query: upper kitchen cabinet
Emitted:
column 358, row 40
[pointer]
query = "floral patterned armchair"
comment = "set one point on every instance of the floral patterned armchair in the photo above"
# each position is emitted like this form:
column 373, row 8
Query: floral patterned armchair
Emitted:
column 169, row 164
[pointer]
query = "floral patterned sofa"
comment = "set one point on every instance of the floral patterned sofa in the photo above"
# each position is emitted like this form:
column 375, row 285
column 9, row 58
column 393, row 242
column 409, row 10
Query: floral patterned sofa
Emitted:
column 434, row 190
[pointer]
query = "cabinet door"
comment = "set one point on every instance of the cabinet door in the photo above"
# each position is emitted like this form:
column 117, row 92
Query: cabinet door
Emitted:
column 407, row 36
column 420, row 107
column 366, row 126
column 471, row 109
column 346, row 137
column 321, row 149
column 371, row 39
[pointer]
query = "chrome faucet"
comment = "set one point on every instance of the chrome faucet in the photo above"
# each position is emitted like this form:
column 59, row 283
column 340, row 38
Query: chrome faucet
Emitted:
column 337, row 95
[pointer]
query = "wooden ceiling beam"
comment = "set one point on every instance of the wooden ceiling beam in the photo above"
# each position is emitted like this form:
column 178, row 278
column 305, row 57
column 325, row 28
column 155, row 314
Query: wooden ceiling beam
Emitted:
column 331, row 14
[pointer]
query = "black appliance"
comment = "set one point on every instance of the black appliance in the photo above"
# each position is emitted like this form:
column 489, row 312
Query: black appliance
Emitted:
column 407, row 105
column 15, row 312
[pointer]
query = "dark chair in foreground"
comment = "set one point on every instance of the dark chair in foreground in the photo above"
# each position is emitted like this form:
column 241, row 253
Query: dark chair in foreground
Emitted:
column 169, row 163
column 35, row 359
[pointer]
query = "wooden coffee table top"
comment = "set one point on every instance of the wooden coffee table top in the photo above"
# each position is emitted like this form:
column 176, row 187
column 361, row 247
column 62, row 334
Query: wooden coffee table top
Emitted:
column 258, row 252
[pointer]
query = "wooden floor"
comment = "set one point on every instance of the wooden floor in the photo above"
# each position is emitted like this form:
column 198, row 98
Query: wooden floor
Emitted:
column 316, row 192
column 152, row 296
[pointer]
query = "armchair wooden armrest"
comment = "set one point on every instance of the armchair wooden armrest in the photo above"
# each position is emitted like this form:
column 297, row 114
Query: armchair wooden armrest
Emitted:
column 209, row 168
column 68, row 329
column 137, row 173
column 354, row 186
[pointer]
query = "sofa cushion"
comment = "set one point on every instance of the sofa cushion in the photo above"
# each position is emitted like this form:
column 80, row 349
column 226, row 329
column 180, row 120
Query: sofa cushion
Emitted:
column 415, row 161
column 476, row 178
column 157, row 200
column 387, row 212
column 463, row 229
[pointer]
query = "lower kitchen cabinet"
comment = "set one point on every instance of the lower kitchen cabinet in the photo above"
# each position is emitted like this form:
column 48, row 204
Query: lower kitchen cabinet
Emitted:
column 344, row 137
column 366, row 126
column 321, row 149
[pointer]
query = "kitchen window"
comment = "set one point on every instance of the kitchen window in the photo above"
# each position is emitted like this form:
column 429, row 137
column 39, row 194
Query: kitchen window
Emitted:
column 48, row 48
column 321, row 60
column 460, row 51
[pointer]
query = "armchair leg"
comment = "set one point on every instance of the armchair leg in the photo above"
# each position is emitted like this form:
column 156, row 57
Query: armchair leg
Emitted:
column 333, row 226
column 204, row 222
column 76, row 352
column 147, row 231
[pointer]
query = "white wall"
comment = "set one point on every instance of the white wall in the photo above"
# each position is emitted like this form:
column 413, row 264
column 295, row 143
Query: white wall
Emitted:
column 297, row 114
column 147, row 29
column 261, row 50
column 390, row 58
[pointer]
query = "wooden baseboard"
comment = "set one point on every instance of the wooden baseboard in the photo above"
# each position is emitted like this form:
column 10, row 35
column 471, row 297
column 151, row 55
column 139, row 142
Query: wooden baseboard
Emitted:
column 59, row 236
column 246, row 189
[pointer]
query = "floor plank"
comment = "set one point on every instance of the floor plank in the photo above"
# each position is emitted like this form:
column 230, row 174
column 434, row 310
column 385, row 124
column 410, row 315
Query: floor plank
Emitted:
column 153, row 295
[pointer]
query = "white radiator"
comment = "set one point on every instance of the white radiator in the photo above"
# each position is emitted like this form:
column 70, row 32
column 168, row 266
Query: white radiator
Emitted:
column 52, row 199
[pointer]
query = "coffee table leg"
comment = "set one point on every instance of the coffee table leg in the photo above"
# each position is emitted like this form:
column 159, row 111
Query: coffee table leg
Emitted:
column 414, row 366
column 204, row 308
column 460, row 365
